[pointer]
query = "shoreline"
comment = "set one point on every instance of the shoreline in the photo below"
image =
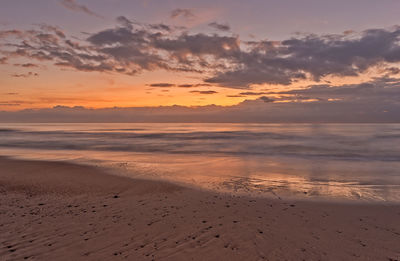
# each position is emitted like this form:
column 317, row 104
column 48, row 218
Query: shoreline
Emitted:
column 113, row 168
column 64, row 211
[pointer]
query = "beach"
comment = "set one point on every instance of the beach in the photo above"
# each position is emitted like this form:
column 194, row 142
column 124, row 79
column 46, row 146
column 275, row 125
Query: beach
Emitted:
column 64, row 211
column 199, row 130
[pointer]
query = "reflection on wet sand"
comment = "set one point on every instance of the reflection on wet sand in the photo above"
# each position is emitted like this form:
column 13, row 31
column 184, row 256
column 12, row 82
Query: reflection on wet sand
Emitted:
column 263, row 177
column 296, row 187
column 255, row 176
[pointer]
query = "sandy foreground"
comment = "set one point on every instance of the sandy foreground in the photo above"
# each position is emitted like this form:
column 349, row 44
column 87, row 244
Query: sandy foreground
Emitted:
column 62, row 211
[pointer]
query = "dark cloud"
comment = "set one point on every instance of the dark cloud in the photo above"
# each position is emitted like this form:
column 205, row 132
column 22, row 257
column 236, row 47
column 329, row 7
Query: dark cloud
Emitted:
column 26, row 65
column 200, row 47
column 252, row 93
column 3, row 60
column 148, row 49
column 25, row 75
column 186, row 85
column 194, row 85
column 311, row 56
column 185, row 13
column 378, row 91
column 204, row 92
column 221, row 27
column 53, row 29
column 74, row 6
column 121, row 36
column 125, row 22
column 393, row 70
column 266, row 99
column 162, row 85
column 51, row 46
column 162, row 27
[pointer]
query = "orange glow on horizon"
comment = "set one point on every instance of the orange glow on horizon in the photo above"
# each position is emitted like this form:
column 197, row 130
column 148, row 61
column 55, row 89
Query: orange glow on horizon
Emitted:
column 66, row 87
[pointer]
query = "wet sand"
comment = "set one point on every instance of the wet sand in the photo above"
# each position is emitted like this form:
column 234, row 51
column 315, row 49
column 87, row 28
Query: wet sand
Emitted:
column 62, row 211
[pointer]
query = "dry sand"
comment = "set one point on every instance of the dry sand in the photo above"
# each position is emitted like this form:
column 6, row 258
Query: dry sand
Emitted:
column 62, row 211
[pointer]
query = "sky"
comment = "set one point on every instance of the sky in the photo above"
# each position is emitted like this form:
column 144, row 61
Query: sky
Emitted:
column 270, row 59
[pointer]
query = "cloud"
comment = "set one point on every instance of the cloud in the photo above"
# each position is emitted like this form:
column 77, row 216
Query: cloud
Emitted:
column 186, row 85
column 221, row 27
column 11, row 33
column 24, row 75
column 266, row 99
column 312, row 57
column 252, row 93
column 9, row 104
column 125, row 22
column 74, row 6
column 204, row 92
column 199, row 46
column 3, row 60
column 235, row 96
column 26, row 65
column 393, row 71
column 382, row 90
column 53, row 29
column 185, row 13
column 162, row 85
column 221, row 60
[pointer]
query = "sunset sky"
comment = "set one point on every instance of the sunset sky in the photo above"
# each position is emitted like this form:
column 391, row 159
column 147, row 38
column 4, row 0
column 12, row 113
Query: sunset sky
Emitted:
column 120, row 53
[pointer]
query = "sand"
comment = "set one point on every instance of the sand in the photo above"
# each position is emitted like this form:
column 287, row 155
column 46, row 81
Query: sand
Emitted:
column 62, row 211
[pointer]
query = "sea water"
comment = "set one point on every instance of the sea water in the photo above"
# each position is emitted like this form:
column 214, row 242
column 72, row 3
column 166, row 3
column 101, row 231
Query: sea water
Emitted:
column 350, row 162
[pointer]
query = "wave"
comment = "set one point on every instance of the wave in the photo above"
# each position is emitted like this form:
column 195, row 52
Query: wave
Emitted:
column 292, row 141
column 8, row 130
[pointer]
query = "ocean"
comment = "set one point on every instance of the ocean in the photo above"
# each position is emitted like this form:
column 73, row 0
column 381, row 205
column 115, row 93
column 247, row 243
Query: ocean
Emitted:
column 338, row 162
